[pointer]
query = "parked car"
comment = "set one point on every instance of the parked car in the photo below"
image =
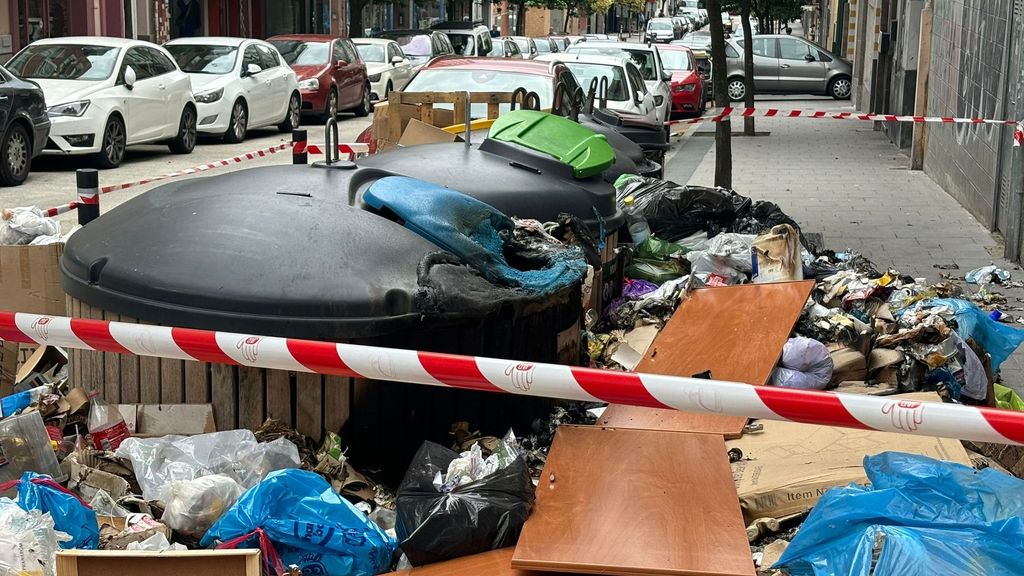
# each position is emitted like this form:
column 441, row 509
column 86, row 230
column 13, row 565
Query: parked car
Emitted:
column 661, row 30
column 526, row 45
column 786, row 64
column 693, row 12
column 386, row 65
column 420, row 46
column 26, row 127
column 238, row 84
column 547, row 45
column 109, row 93
column 595, row 37
column 467, row 38
column 700, row 40
column 331, row 74
column 505, row 48
column 647, row 59
column 688, row 93
column 626, row 89
column 564, row 42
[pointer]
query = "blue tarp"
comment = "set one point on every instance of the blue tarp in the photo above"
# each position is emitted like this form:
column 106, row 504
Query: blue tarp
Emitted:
column 930, row 517
column 474, row 231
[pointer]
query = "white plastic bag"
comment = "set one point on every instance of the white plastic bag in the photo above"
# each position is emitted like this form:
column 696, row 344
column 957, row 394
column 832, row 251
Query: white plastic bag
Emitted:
column 20, row 226
column 726, row 255
column 194, row 505
column 158, row 462
column 806, row 364
column 28, row 541
column 155, row 543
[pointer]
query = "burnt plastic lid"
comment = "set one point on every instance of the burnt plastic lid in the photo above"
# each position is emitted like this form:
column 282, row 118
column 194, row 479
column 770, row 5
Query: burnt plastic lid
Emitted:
column 273, row 250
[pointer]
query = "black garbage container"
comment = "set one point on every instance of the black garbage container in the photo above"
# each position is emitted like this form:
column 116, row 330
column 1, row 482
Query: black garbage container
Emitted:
column 278, row 251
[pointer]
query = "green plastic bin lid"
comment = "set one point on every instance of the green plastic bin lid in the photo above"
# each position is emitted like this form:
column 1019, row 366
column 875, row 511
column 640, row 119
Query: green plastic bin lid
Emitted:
column 578, row 146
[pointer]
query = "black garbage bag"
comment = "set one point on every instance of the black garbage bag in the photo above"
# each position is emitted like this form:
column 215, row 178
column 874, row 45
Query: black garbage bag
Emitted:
column 762, row 217
column 674, row 212
column 476, row 517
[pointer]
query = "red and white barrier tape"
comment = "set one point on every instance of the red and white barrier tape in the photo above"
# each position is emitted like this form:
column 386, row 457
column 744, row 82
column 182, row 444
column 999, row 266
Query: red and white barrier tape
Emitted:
column 526, row 378
column 1018, row 135
column 777, row 113
column 62, row 209
column 348, row 148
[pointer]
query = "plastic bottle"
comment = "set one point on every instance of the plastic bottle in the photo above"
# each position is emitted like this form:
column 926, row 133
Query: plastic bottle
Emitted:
column 638, row 228
column 106, row 425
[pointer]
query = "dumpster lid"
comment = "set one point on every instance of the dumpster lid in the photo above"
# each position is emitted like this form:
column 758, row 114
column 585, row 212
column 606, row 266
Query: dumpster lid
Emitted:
column 588, row 153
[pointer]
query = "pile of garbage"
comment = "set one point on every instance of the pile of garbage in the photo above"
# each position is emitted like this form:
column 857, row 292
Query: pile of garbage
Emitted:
column 29, row 226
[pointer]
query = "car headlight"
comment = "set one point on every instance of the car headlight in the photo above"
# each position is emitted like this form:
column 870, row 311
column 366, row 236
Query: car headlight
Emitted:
column 374, row 78
column 68, row 109
column 310, row 84
column 211, row 96
column 684, row 87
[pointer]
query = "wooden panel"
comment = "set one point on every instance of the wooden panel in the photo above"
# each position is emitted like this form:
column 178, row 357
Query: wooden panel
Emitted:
column 149, row 378
column 169, row 563
column 493, row 563
column 251, row 397
column 279, row 396
column 129, row 366
column 736, row 332
column 224, row 395
column 336, row 402
column 75, row 357
column 631, row 502
column 111, row 369
column 172, row 381
column 309, row 396
column 197, row 382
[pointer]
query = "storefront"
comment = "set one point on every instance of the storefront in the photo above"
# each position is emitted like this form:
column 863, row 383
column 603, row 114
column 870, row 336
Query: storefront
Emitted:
column 31, row 20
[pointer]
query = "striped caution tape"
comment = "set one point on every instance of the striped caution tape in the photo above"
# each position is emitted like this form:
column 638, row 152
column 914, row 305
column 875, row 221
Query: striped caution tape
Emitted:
column 887, row 414
column 728, row 113
column 1018, row 135
column 62, row 209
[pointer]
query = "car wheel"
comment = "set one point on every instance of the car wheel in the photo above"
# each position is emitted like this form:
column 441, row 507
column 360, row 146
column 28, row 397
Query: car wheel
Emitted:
column 331, row 110
column 294, row 116
column 736, row 89
column 185, row 141
column 239, row 123
column 15, row 156
column 111, row 152
column 840, row 88
column 364, row 107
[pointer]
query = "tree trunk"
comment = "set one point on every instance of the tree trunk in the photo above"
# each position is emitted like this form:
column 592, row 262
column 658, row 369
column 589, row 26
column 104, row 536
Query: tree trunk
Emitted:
column 748, row 68
column 520, row 18
column 355, row 29
column 723, row 129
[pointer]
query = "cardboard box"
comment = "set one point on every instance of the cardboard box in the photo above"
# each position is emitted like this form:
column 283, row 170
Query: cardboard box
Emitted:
column 417, row 132
column 381, row 126
column 154, row 420
column 8, row 367
column 792, row 465
column 30, row 279
column 170, row 563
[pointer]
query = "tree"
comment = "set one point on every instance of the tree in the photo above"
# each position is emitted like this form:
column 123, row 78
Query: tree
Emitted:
column 748, row 68
column 772, row 14
column 723, row 129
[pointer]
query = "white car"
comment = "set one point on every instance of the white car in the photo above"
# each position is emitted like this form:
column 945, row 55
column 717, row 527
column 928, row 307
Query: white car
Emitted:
column 647, row 59
column 386, row 65
column 109, row 93
column 617, row 77
column 239, row 84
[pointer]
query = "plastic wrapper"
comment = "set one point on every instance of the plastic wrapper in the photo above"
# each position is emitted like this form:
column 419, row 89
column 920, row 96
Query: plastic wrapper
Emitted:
column 726, row 255
column 27, row 225
column 155, row 543
column 999, row 340
column 928, row 517
column 192, row 506
column 28, row 541
column 158, row 462
column 103, row 504
column 806, row 364
column 309, row 524
column 70, row 515
column 987, row 274
column 1008, row 399
column 478, row 516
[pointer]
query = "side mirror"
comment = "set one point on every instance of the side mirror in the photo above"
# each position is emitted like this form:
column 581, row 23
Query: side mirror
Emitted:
column 809, row 57
column 129, row 77
column 638, row 97
column 396, row 60
column 252, row 69
column 666, row 75
column 340, row 64
column 659, row 100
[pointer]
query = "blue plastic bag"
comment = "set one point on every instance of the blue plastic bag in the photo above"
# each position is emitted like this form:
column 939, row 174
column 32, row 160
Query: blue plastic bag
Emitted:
column 309, row 524
column 999, row 340
column 70, row 515
column 934, row 517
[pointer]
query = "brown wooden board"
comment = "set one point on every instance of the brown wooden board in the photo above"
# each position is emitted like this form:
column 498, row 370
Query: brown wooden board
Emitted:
column 736, row 332
column 493, row 563
column 170, row 563
column 631, row 502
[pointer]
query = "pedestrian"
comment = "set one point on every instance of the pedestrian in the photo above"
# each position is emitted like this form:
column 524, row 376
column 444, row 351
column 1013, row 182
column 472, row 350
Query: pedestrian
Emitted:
column 551, row 31
column 494, row 31
column 789, row 30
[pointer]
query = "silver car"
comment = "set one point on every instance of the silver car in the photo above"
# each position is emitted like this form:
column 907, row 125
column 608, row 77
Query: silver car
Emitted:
column 786, row 64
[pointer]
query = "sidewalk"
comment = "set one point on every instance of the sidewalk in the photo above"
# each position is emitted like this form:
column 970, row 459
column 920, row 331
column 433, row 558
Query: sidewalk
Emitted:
column 847, row 182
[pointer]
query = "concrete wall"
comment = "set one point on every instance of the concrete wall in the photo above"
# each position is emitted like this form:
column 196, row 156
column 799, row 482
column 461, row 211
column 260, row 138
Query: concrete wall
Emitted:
column 904, row 68
column 967, row 79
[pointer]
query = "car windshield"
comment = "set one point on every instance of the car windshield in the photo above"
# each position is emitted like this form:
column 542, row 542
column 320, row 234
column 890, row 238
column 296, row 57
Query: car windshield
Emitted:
column 644, row 59
column 463, row 43
column 371, row 52
column 300, row 53
column 200, row 59
column 660, row 26
column 586, row 73
column 497, row 49
column 462, row 80
column 676, row 60
column 65, row 62
column 543, row 46
column 524, row 44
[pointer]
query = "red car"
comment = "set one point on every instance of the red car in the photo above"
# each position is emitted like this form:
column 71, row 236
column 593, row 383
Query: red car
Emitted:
column 688, row 96
column 331, row 74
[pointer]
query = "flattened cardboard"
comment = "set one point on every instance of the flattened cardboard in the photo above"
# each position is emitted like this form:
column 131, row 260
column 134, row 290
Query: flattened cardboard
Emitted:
column 42, row 361
column 792, row 465
column 417, row 132
column 8, row 367
column 30, row 279
column 150, row 420
column 170, row 563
